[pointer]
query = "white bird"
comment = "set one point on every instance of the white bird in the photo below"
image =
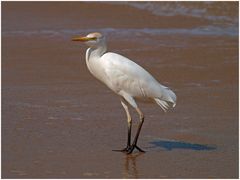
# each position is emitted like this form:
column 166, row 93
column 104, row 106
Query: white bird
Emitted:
column 127, row 79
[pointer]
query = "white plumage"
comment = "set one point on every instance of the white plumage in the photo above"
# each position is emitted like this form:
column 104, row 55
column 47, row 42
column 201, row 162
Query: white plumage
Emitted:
column 126, row 78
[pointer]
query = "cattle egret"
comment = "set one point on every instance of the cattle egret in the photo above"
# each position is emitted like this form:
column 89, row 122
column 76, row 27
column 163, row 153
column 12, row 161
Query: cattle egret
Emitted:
column 127, row 79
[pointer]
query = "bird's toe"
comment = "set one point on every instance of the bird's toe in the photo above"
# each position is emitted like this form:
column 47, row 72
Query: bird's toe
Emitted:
column 126, row 149
column 130, row 150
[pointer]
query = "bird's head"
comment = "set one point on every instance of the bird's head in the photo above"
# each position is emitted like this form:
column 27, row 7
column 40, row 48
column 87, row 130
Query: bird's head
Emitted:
column 92, row 40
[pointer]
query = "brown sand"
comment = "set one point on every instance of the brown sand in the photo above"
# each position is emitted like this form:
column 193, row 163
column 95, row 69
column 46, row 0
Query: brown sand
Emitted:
column 59, row 122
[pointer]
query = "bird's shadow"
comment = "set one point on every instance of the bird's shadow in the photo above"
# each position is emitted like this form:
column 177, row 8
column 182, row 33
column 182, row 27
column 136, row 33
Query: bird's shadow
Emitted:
column 172, row 144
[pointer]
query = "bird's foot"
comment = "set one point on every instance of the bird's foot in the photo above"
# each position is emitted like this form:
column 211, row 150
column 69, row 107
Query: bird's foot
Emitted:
column 132, row 147
column 126, row 149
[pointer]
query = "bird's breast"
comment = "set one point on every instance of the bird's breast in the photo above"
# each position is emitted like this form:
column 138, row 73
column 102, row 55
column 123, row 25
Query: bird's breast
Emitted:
column 95, row 67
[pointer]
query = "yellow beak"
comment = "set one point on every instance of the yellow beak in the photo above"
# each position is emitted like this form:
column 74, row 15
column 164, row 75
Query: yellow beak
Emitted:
column 83, row 39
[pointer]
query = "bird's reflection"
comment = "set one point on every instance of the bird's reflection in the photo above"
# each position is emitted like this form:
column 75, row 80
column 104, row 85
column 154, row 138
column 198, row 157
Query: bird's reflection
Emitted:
column 130, row 165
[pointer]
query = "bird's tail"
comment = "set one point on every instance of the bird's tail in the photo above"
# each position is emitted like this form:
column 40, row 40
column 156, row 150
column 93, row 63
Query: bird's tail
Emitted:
column 163, row 104
column 167, row 100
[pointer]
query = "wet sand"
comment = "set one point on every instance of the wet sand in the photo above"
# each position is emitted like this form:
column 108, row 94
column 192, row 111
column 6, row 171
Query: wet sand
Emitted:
column 60, row 122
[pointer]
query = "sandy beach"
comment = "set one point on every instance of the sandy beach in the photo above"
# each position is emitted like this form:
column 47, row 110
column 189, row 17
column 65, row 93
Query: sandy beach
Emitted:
column 60, row 122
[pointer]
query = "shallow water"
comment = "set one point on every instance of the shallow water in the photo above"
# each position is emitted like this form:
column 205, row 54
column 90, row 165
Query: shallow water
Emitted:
column 59, row 122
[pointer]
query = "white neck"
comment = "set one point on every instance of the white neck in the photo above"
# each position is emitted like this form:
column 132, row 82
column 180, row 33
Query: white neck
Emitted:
column 93, row 60
column 98, row 51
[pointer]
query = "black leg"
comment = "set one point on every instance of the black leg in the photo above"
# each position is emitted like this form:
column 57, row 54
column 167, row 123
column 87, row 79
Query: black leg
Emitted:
column 126, row 149
column 129, row 133
column 129, row 149
column 129, row 119
column 138, row 131
column 134, row 145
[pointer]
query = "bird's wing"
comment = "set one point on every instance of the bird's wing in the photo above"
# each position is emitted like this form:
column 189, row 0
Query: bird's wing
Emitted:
column 126, row 75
